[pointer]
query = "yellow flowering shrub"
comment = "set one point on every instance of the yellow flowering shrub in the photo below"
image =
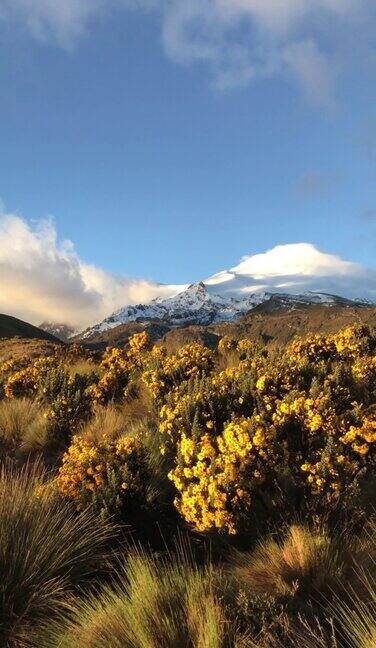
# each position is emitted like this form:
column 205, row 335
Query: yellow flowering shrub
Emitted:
column 227, row 344
column 354, row 341
column 66, row 401
column 313, row 347
column 117, row 366
column 24, row 382
column 217, row 476
column 244, row 431
column 104, row 475
column 207, row 403
column 364, row 369
column 167, row 371
column 300, row 413
column 351, row 341
column 115, row 375
column 138, row 344
column 247, row 348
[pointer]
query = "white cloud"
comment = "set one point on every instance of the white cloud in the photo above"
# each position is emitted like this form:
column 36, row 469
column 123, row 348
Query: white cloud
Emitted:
column 42, row 279
column 65, row 20
column 237, row 40
column 302, row 259
column 242, row 40
column 313, row 70
column 296, row 268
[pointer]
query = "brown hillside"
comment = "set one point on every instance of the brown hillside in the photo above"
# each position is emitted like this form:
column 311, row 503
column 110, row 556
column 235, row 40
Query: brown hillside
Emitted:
column 19, row 339
column 18, row 348
column 11, row 327
column 276, row 328
column 119, row 335
column 279, row 328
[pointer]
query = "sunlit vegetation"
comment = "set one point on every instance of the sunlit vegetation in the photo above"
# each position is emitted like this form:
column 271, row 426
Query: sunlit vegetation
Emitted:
column 245, row 476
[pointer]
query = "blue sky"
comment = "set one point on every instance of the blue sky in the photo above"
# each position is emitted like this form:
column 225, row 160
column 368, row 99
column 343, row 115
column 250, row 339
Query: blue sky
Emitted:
column 169, row 139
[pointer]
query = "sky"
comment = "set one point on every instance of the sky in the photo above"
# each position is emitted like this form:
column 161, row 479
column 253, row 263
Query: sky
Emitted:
column 161, row 141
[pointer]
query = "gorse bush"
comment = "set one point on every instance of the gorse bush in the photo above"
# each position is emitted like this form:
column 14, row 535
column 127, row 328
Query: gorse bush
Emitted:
column 66, row 400
column 46, row 550
column 290, row 430
column 238, row 435
column 105, row 475
column 168, row 371
column 117, row 365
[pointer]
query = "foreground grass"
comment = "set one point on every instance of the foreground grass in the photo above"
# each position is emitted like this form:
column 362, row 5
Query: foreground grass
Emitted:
column 152, row 605
column 46, row 550
column 302, row 591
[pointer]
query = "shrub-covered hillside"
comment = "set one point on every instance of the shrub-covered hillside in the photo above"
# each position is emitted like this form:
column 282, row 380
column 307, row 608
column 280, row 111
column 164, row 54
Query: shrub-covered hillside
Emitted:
column 201, row 498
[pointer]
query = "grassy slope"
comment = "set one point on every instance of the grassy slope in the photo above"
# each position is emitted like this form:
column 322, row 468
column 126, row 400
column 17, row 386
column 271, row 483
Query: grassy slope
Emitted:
column 18, row 339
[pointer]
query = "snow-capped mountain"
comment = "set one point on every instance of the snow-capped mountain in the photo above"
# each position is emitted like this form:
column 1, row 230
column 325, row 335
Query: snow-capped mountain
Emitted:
column 62, row 331
column 198, row 305
column 284, row 277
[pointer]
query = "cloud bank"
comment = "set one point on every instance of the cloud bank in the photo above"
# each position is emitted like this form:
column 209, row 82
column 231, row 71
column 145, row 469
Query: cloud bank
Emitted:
column 42, row 279
column 307, row 42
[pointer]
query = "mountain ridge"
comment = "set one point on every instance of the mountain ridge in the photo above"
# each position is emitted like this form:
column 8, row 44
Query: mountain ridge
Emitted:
column 198, row 305
column 11, row 327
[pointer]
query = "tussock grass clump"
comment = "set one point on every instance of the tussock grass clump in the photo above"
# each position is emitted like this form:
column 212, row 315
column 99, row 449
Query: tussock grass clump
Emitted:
column 83, row 367
column 303, row 562
column 151, row 606
column 23, row 428
column 45, row 551
column 357, row 617
column 107, row 421
column 350, row 623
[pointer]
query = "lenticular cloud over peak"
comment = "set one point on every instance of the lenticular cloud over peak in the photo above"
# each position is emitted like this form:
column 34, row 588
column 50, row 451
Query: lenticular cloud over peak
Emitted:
column 295, row 259
column 296, row 268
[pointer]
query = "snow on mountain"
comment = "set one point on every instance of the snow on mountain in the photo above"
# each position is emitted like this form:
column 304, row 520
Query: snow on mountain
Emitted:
column 285, row 277
column 196, row 305
column 61, row 331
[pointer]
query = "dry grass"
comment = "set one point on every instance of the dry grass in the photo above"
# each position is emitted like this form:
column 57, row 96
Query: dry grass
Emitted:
column 303, row 562
column 18, row 348
column 140, row 407
column 45, row 551
column 151, row 606
column 23, row 429
column 109, row 420
column 84, row 368
column 357, row 617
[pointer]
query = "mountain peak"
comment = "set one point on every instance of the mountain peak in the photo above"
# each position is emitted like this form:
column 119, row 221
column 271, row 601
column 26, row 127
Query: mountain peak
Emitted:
column 197, row 288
